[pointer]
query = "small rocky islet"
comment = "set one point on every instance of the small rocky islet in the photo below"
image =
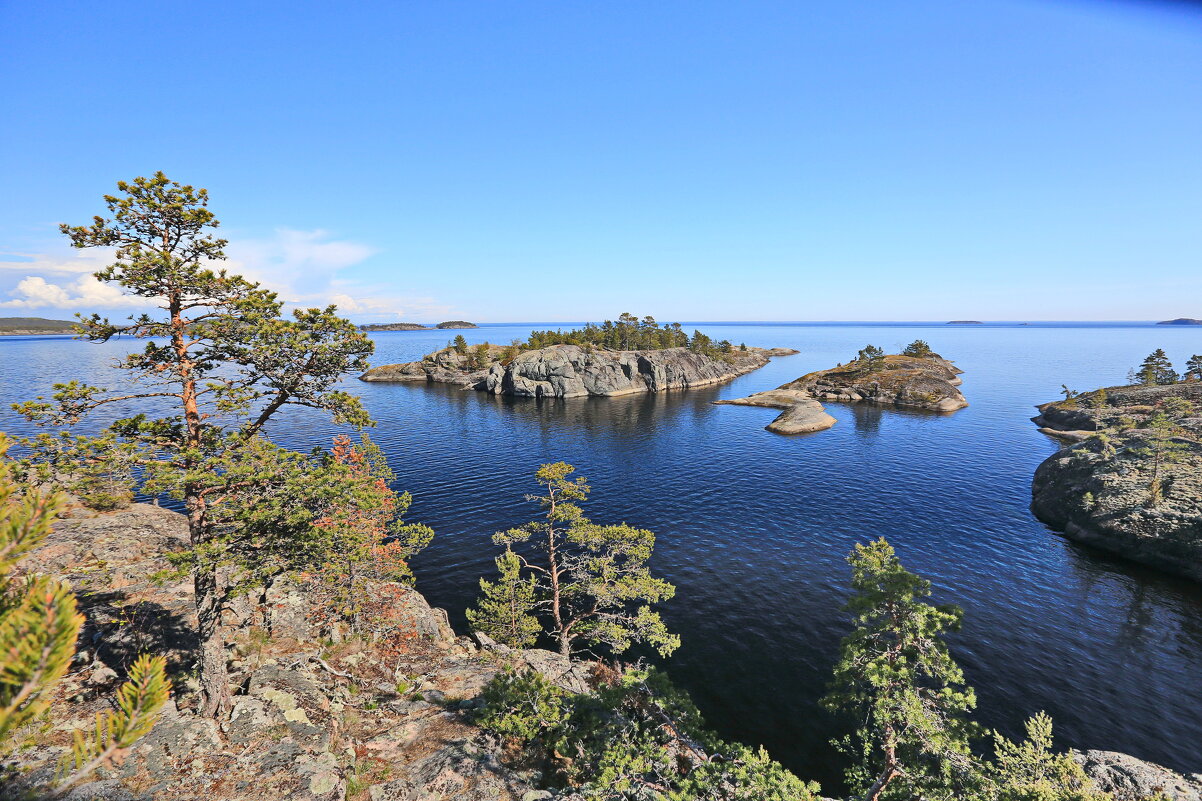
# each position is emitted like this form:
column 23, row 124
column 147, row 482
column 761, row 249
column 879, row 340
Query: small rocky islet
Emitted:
column 1129, row 478
column 921, row 382
column 575, row 371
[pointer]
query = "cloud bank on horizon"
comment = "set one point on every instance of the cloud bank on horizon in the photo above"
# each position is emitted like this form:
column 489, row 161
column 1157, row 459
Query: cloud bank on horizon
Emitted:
column 306, row 268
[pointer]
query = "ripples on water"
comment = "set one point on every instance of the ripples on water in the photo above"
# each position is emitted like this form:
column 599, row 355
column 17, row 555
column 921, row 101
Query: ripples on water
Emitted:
column 753, row 527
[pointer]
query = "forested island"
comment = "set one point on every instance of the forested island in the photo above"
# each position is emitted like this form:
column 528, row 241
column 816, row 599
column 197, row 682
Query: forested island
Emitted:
column 917, row 378
column 15, row 326
column 625, row 357
column 268, row 642
column 416, row 326
column 1131, row 481
column 1181, row 321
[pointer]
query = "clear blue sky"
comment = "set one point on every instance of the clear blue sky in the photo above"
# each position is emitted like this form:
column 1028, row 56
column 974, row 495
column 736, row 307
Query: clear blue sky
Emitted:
column 1009, row 159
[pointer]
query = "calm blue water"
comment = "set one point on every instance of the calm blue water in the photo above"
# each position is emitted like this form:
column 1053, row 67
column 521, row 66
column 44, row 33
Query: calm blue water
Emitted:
column 753, row 527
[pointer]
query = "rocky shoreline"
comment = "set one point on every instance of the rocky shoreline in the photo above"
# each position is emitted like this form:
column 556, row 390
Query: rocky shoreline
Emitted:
column 905, row 382
column 1096, row 489
column 317, row 717
column 574, row 371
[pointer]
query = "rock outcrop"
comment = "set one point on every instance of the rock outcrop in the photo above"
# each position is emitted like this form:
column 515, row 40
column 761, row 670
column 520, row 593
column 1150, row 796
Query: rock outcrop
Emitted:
column 573, row 371
column 1131, row 779
column 1098, row 490
column 906, row 382
column 312, row 719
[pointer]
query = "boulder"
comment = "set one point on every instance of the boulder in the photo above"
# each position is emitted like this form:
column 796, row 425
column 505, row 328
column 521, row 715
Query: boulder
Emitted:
column 1131, row 779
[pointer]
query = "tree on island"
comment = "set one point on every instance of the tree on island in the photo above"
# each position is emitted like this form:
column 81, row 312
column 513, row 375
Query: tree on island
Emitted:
column 585, row 584
column 1159, row 445
column 918, row 349
column 870, row 358
column 1156, row 369
column 1193, row 368
column 896, row 676
column 459, row 344
column 218, row 365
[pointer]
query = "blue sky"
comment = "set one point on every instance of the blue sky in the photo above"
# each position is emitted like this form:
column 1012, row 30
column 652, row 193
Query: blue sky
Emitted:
column 1007, row 159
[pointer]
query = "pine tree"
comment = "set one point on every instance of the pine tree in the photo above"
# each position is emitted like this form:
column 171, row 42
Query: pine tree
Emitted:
column 219, row 357
column 459, row 344
column 1193, row 368
column 918, row 349
column 1160, row 446
column 1156, row 369
column 870, row 358
column 896, row 676
column 592, row 581
column 1032, row 771
column 505, row 610
column 1099, row 401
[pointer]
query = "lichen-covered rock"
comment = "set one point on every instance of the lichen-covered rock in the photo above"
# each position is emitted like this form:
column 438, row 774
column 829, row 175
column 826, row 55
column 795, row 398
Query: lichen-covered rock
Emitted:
column 394, row 718
column 802, row 414
column 1131, row 779
column 572, row 371
column 902, row 381
column 1098, row 490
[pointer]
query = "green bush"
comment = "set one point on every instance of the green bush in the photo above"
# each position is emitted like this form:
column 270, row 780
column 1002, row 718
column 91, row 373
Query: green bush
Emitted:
column 521, row 705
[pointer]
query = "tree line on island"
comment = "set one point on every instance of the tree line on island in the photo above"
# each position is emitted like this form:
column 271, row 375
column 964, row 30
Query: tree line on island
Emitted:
column 220, row 362
column 628, row 333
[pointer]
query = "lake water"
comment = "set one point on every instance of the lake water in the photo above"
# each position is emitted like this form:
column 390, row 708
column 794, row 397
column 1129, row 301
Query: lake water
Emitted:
column 753, row 527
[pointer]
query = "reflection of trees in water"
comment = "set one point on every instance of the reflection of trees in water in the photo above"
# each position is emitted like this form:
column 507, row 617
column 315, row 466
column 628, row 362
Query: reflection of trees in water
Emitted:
column 866, row 417
column 1142, row 593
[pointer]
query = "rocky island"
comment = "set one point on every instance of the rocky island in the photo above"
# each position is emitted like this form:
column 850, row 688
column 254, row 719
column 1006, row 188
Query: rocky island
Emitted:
column 626, row 358
column 1129, row 480
column 1181, row 321
column 416, row 326
column 918, row 378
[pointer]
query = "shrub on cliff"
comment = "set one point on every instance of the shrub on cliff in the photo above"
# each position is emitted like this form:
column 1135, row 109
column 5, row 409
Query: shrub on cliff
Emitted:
column 635, row 737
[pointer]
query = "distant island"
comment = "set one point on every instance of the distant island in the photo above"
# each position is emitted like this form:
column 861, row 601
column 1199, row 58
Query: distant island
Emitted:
column 917, row 378
column 416, row 326
column 627, row 357
column 1181, row 321
column 966, row 322
column 15, row 326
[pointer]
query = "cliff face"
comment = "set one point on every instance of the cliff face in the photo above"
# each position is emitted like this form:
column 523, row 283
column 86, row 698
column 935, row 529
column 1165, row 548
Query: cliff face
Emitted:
column 571, row 371
column 905, row 382
column 1099, row 490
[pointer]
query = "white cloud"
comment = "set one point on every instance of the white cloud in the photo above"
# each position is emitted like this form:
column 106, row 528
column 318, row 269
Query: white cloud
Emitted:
column 35, row 292
column 306, row 268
